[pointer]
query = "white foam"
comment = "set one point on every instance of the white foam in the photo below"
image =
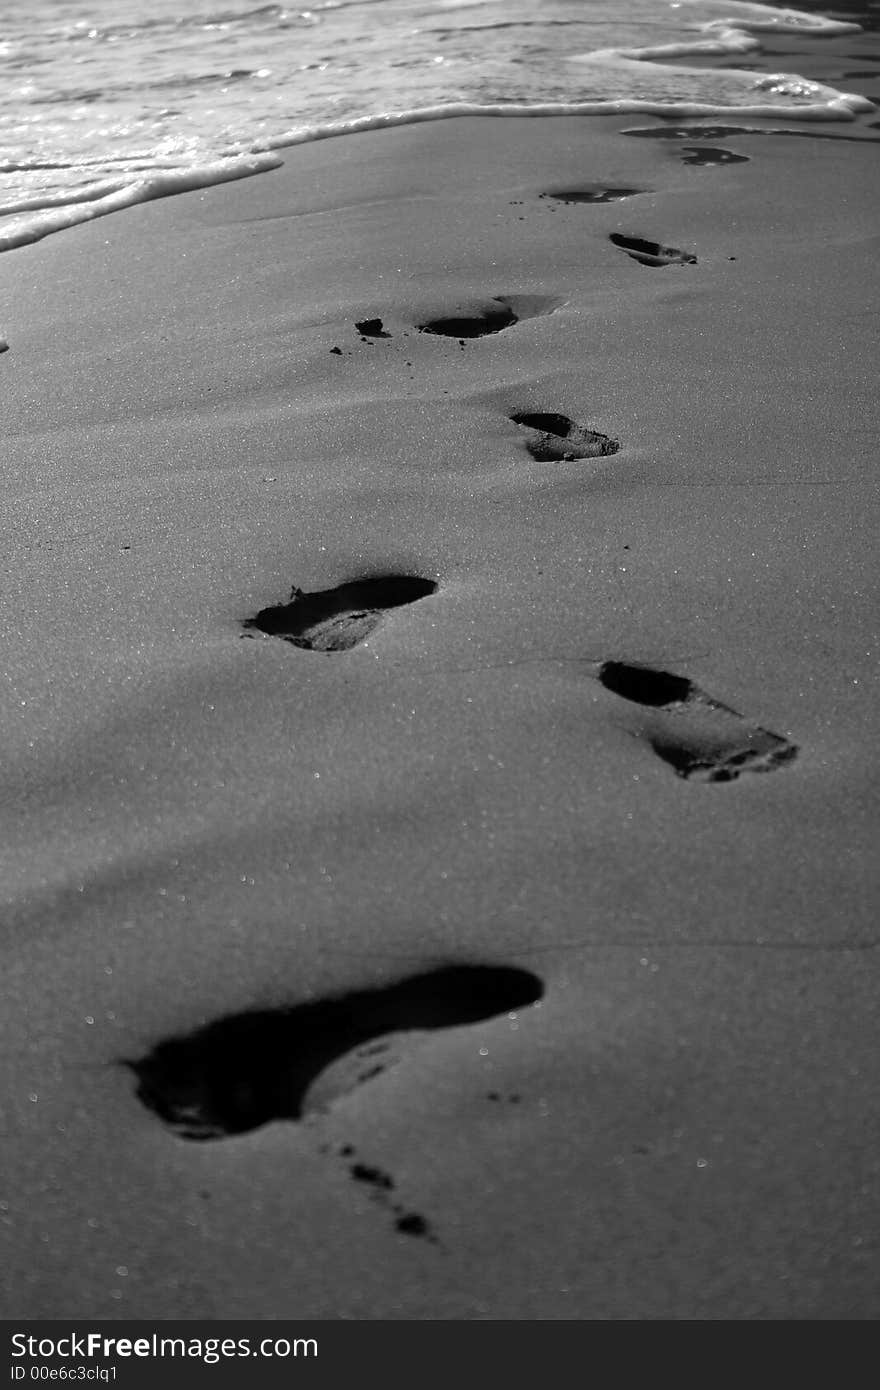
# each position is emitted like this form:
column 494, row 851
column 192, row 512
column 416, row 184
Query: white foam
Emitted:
column 26, row 228
column 54, row 212
column 463, row 83
column 838, row 106
column 61, row 197
column 733, row 33
column 767, row 19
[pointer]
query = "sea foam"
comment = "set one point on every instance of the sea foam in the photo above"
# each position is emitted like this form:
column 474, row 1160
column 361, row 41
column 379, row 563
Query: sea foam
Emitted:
column 118, row 110
column 99, row 201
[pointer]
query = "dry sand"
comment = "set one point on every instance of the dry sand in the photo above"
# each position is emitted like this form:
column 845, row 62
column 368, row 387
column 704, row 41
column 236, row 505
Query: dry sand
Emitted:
column 203, row 820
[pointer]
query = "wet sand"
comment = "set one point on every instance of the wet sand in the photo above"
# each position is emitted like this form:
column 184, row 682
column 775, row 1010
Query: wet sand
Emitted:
column 440, row 754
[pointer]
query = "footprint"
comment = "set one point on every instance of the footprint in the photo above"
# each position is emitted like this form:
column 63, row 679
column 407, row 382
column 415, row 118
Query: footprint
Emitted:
column 709, row 156
column 698, row 736
column 651, row 252
column 689, row 132
column 554, row 438
column 476, row 325
column 334, row 620
column 721, row 132
column 244, row 1071
column 501, row 312
column 593, row 193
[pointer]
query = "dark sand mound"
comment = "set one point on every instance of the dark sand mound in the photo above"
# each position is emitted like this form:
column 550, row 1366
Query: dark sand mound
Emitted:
column 555, row 438
column 372, row 328
column 242, row 1072
column 334, row 620
column 700, row 738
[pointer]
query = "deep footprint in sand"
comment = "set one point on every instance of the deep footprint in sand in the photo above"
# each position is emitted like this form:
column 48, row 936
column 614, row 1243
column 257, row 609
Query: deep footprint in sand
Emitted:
column 335, row 620
column 554, row 438
column 651, row 252
column 594, row 193
column 501, row 312
column 701, row 738
column 247, row 1070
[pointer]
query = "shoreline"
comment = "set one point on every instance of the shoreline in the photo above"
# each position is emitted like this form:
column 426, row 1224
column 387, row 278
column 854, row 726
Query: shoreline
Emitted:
column 46, row 214
column 204, row 823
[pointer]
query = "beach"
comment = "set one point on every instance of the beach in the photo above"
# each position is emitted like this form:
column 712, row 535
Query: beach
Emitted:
column 589, row 700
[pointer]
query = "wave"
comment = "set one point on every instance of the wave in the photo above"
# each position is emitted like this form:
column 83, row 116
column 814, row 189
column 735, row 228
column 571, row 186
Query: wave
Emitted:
column 766, row 95
column 101, row 199
column 272, row 14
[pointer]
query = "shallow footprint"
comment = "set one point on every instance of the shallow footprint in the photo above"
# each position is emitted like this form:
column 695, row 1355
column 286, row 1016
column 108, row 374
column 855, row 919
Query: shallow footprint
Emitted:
column 501, row 312
column 335, row 620
column 700, row 738
column 244, row 1071
column 595, row 193
column 688, row 132
column 651, row 252
column 719, row 132
column 554, row 438
column 710, row 156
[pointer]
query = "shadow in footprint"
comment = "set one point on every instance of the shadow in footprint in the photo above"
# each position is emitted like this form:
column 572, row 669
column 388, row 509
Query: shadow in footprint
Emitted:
column 503, row 311
column 643, row 685
column 244, row 1071
column 476, row 325
column 596, row 193
column 651, row 252
column 554, row 438
column 335, row 620
column 698, row 736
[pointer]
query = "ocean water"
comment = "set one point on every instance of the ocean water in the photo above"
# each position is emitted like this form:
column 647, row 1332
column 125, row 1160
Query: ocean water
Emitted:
column 104, row 103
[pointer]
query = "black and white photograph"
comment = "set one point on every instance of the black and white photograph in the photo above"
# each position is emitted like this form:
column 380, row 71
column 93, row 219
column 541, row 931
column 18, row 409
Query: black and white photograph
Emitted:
column 439, row 709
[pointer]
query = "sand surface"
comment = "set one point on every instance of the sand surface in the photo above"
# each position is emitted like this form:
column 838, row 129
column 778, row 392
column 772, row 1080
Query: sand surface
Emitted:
column 202, row 820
